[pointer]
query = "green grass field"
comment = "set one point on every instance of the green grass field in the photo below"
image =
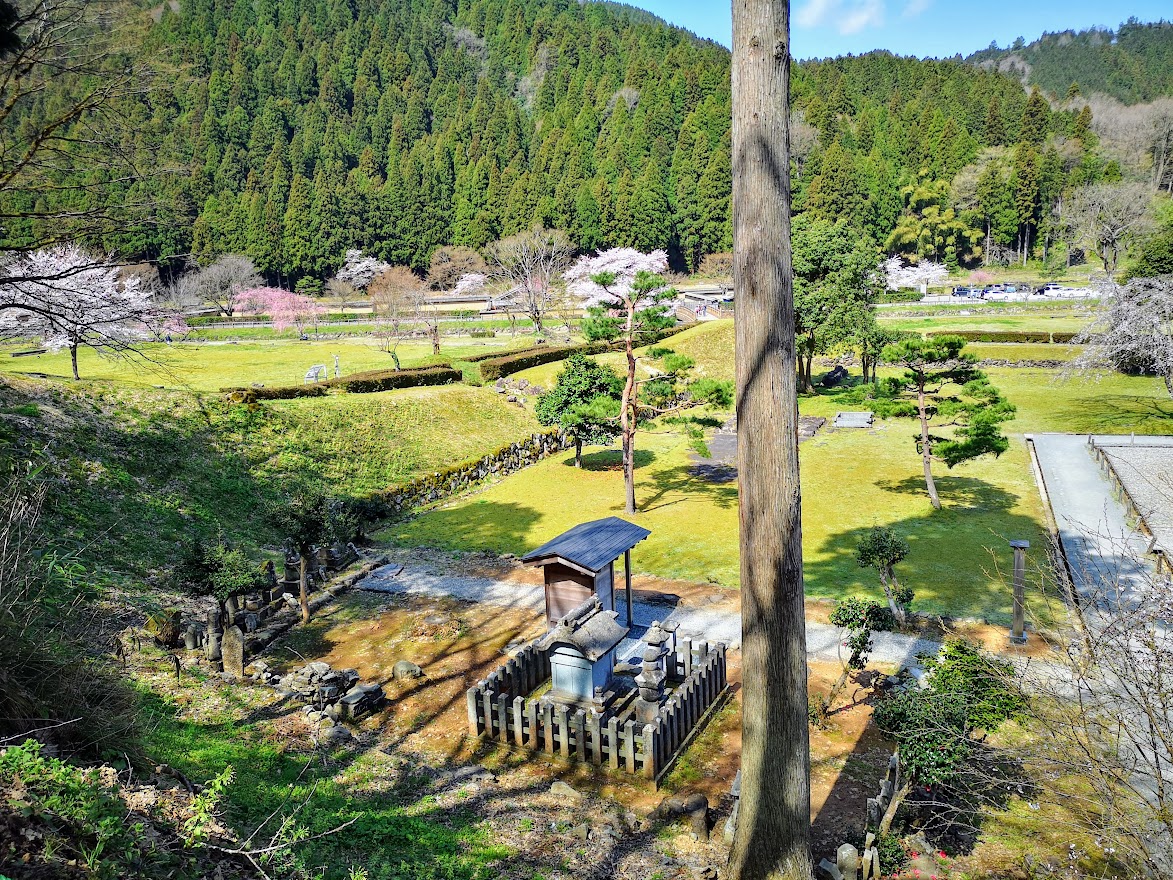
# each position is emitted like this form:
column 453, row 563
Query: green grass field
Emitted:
column 851, row 480
column 213, row 365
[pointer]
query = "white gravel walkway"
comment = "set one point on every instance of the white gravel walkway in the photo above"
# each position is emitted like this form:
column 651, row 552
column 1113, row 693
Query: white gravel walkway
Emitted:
column 693, row 622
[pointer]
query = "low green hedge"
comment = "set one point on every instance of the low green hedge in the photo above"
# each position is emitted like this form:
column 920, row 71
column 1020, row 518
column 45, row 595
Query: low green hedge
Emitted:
column 506, row 365
column 1035, row 336
column 387, row 380
column 489, row 355
column 357, row 383
column 279, row 392
column 900, row 296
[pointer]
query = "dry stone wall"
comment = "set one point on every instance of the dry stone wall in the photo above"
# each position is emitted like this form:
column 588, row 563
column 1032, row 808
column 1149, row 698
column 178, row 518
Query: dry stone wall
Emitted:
column 452, row 481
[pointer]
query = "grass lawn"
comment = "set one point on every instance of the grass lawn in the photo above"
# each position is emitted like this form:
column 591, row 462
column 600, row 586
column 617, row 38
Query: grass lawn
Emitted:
column 851, row 480
column 1046, row 319
column 214, row 365
column 694, row 522
column 139, row 471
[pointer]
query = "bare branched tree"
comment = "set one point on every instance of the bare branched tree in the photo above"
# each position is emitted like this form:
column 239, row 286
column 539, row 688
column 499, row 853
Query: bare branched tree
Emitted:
column 399, row 299
column 1109, row 216
column 218, row 285
column 530, row 264
column 450, row 264
column 1101, row 718
column 1133, row 331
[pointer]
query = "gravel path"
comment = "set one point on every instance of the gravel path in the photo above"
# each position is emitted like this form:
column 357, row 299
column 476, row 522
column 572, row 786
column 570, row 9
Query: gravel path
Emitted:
column 694, row 622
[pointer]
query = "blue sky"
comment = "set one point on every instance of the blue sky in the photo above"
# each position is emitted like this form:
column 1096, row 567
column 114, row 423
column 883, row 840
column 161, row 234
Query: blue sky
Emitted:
column 911, row 27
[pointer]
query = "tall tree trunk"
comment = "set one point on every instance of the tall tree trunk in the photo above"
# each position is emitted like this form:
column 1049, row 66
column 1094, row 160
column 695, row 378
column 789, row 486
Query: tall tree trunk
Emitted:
column 986, row 260
column 303, row 583
column 773, row 828
column 627, row 416
column 577, row 451
column 73, row 359
column 435, row 334
column 926, row 447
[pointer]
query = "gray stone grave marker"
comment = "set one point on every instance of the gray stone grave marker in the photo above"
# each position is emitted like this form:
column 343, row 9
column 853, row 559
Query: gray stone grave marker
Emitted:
column 232, row 649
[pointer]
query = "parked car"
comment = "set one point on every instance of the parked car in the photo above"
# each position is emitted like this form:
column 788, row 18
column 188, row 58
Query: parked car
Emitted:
column 1051, row 288
column 964, row 291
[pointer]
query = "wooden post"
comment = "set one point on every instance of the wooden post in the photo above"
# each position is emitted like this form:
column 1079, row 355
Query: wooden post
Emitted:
column 548, row 724
column 1018, row 632
column 580, row 735
column 649, row 738
column 531, row 714
column 613, row 741
column 627, row 578
column 563, row 731
column 629, row 745
column 503, row 716
column 519, row 720
column 594, row 728
column 474, row 724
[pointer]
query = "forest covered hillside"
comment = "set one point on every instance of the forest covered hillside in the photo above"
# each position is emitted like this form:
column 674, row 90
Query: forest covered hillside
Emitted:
column 1132, row 64
column 293, row 130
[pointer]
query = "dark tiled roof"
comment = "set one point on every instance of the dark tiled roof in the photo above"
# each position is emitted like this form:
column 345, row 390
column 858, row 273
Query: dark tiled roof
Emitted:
column 592, row 545
column 594, row 635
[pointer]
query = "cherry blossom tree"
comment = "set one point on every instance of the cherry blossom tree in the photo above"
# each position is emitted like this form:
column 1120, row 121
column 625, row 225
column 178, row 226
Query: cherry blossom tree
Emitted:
column 626, row 281
column 359, row 270
column 70, row 300
column 284, row 307
column 923, row 275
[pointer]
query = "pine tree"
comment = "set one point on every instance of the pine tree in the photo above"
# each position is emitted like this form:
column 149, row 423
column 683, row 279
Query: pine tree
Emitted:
column 1034, row 120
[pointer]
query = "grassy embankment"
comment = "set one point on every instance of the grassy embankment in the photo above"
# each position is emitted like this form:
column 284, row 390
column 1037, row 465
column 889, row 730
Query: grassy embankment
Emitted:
column 139, row 470
column 851, row 480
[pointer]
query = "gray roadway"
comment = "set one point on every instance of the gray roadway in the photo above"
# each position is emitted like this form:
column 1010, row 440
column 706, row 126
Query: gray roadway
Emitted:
column 1106, row 555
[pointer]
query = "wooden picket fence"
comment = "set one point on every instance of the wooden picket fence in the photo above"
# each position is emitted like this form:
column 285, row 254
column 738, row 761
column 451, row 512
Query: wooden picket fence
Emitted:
column 499, row 708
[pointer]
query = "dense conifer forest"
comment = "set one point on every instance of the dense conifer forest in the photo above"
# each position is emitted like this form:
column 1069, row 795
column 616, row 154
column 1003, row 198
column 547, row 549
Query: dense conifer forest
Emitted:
column 293, row 130
column 1133, row 63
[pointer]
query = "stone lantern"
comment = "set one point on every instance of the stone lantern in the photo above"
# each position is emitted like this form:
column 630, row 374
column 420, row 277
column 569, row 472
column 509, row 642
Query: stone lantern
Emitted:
column 652, row 675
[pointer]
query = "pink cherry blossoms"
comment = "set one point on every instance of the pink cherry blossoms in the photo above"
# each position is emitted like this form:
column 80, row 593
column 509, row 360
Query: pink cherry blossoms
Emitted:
column 284, row 307
column 623, row 263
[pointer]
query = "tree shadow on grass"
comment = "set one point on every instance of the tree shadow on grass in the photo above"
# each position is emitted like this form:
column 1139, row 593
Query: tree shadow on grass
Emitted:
column 953, row 552
column 1117, row 413
column 663, row 488
column 956, row 492
column 611, row 460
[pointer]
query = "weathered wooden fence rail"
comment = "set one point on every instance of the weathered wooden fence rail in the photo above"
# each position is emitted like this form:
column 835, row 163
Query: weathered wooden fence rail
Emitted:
column 499, row 708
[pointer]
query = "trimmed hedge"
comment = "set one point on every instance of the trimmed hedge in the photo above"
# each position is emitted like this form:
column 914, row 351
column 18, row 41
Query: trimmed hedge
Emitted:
column 387, row 380
column 494, row 368
column 1007, row 336
column 279, row 392
column 489, row 355
column 900, row 296
column 358, row 383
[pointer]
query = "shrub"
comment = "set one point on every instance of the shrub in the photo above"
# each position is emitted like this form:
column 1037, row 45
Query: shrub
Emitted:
column 506, row 365
column 369, row 383
column 856, row 613
column 279, row 392
column 900, row 296
column 892, row 854
column 981, row 681
column 489, row 355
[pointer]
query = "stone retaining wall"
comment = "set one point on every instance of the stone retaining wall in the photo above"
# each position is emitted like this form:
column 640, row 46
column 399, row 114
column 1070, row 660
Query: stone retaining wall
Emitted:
column 462, row 477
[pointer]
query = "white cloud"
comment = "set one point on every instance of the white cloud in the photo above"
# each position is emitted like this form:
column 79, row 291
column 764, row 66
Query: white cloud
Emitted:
column 815, row 13
column 846, row 16
column 913, row 8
